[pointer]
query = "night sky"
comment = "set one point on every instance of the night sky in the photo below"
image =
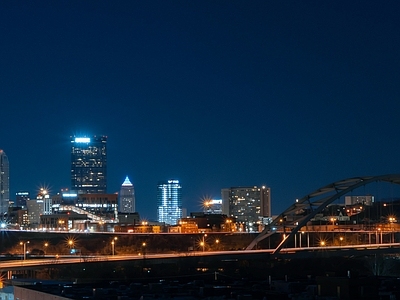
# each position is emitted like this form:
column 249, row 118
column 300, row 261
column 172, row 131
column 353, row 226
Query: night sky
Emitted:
column 289, row 94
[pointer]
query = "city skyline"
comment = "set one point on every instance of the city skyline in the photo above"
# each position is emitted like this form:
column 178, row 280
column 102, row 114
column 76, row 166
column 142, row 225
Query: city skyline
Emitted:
column 291, row 95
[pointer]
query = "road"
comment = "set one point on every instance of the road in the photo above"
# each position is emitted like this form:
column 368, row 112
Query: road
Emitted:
column 57, row 260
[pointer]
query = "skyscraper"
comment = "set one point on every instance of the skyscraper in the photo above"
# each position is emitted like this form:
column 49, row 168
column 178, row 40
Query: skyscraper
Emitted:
column 4, row 183
column 126, row 197
column 169, row 201
column 89, row 164
column 249, row 205
column 21, row 197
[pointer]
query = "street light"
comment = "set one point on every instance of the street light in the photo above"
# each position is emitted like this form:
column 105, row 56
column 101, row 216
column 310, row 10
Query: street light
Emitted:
column 23, row 244
column 71, row 245
column 203, row 243
column 113, row 245
column 380, row 231
column 144, row 249
column 229, row 225
column 46, row 244
column 341, row 240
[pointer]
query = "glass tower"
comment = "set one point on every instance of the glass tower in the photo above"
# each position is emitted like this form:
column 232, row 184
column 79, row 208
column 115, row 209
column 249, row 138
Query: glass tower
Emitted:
column 169, row 202
column 89, row 164
column 4, row 183
column 126, row 197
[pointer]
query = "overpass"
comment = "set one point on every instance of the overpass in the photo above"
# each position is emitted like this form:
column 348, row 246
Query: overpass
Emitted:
column 57, row 260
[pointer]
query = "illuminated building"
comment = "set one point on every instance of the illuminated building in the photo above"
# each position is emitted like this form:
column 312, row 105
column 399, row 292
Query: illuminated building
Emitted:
column 89, row 164
column 104, row 205
column 89, row 212
column 169, row 202
column 249, row 205
column 126, row 197
column 212, row 206
column 354, row 200
column 21, row 198
column 4, row 183
column 42, row 205
column 97, row 206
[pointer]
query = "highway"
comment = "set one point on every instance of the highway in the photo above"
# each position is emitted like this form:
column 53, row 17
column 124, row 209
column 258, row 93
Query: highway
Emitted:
column 57, row 260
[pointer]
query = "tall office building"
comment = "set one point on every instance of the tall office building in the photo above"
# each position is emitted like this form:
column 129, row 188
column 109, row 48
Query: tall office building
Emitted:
column 21, row 197
column 42, row 205
column 169, row 202
column 4, row 183
column 249, row 205
column 126, row 197
column 89, row 164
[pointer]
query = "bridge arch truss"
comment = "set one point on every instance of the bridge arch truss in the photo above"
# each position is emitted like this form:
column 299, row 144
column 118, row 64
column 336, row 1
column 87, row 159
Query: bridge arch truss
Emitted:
column 303, row 210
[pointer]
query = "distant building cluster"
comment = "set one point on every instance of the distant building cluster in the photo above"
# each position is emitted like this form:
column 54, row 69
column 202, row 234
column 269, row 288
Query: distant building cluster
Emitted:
column 87, row 205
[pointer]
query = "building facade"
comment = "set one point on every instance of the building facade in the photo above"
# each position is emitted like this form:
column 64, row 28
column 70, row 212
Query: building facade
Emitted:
column 4, row 183
column 248, row 205
column 89, row 164
column 42, row 205
column 21, row 197
column 212, row 206
column 363, row 200
column 99, row 207
column 127, row 197
column 169, row 202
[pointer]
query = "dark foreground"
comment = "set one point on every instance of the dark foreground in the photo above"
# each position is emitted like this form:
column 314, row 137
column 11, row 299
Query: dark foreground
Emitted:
column 255, row 277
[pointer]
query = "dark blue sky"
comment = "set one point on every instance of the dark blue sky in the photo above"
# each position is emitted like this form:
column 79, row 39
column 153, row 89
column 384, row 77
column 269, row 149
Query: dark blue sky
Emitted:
column 290, row 94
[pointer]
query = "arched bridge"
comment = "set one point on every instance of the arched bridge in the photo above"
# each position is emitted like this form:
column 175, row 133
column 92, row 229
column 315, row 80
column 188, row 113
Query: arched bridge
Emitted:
column 303, row 210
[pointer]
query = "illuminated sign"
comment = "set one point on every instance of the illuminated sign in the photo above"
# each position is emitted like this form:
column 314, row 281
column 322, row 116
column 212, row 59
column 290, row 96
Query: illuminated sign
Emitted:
column 216, row 202
column 82, row 140
column 23, row 194
column 69, row 195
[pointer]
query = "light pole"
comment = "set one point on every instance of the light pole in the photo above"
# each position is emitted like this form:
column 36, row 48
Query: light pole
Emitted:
column 229, row 225
column 113, row 245
column 46, row 244
column 391, row 221
column 23, row 244
column 203, row 243
column 341, row 240
column 380, row 231
column 70, row 244
column 144, row 250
